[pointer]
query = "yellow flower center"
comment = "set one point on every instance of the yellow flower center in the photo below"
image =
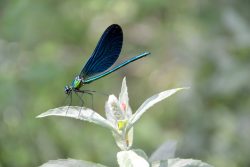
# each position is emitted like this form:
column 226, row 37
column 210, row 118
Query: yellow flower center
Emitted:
column 121, row 124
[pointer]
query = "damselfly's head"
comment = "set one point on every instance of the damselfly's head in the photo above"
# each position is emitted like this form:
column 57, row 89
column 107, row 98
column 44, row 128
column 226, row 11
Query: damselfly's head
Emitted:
column 75, row 85
column 67, row 90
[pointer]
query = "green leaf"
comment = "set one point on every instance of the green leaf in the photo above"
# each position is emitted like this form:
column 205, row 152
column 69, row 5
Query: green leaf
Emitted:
column 70, row 163
column 81, row 113
column 120, row 141
column 163, row 163
column 186, row 163
column 164, row 152
column 149, row 103
column 131, row 159
column 180, row 163
column 141, row 153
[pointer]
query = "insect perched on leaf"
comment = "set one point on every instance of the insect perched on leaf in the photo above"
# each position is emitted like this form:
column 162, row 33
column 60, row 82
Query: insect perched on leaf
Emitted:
column 104, row 56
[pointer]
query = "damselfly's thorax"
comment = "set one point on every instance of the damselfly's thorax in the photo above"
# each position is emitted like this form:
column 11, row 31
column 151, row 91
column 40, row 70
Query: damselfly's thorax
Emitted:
column 76, row 84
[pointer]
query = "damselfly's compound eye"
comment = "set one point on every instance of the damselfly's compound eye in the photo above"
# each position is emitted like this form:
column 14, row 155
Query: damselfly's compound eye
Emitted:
column 67, row 90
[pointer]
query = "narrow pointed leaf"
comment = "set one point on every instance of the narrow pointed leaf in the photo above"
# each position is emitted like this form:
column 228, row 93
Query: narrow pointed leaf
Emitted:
column 81, row 113
column 149, row 103
column 124, row 140
column 164, row 152
column 70, row 163
column 130, row 137
column 120, row 141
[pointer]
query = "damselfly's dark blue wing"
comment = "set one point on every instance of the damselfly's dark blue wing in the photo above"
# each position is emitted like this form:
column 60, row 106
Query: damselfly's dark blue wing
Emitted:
column 106, row 52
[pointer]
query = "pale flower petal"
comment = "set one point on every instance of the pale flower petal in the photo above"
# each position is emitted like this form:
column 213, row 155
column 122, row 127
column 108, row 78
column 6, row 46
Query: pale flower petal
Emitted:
column 113, row 110
column 124, row 99
column 123, row 96
column 81, row 113
column 149, row 103
column 112, row 100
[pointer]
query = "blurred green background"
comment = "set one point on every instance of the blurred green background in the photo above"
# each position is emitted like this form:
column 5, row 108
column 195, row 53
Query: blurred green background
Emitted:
column 201, row 44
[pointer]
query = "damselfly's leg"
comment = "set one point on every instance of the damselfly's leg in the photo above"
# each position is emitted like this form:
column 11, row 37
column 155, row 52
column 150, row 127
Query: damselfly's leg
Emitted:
column 64, row 102
column 70, row 102
column 82, row 102
column 89, row 92
column 92, row 99
column 93, row 91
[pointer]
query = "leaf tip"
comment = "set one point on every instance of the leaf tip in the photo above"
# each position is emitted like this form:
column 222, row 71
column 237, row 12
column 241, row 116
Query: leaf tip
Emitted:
column 183, row 88
column 40, row 116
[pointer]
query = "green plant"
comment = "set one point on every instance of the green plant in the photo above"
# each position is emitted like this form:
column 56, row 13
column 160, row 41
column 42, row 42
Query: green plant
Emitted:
column 120, row 120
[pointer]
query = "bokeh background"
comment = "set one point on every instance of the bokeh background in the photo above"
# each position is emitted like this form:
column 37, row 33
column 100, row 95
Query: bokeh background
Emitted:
column 201, row 44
